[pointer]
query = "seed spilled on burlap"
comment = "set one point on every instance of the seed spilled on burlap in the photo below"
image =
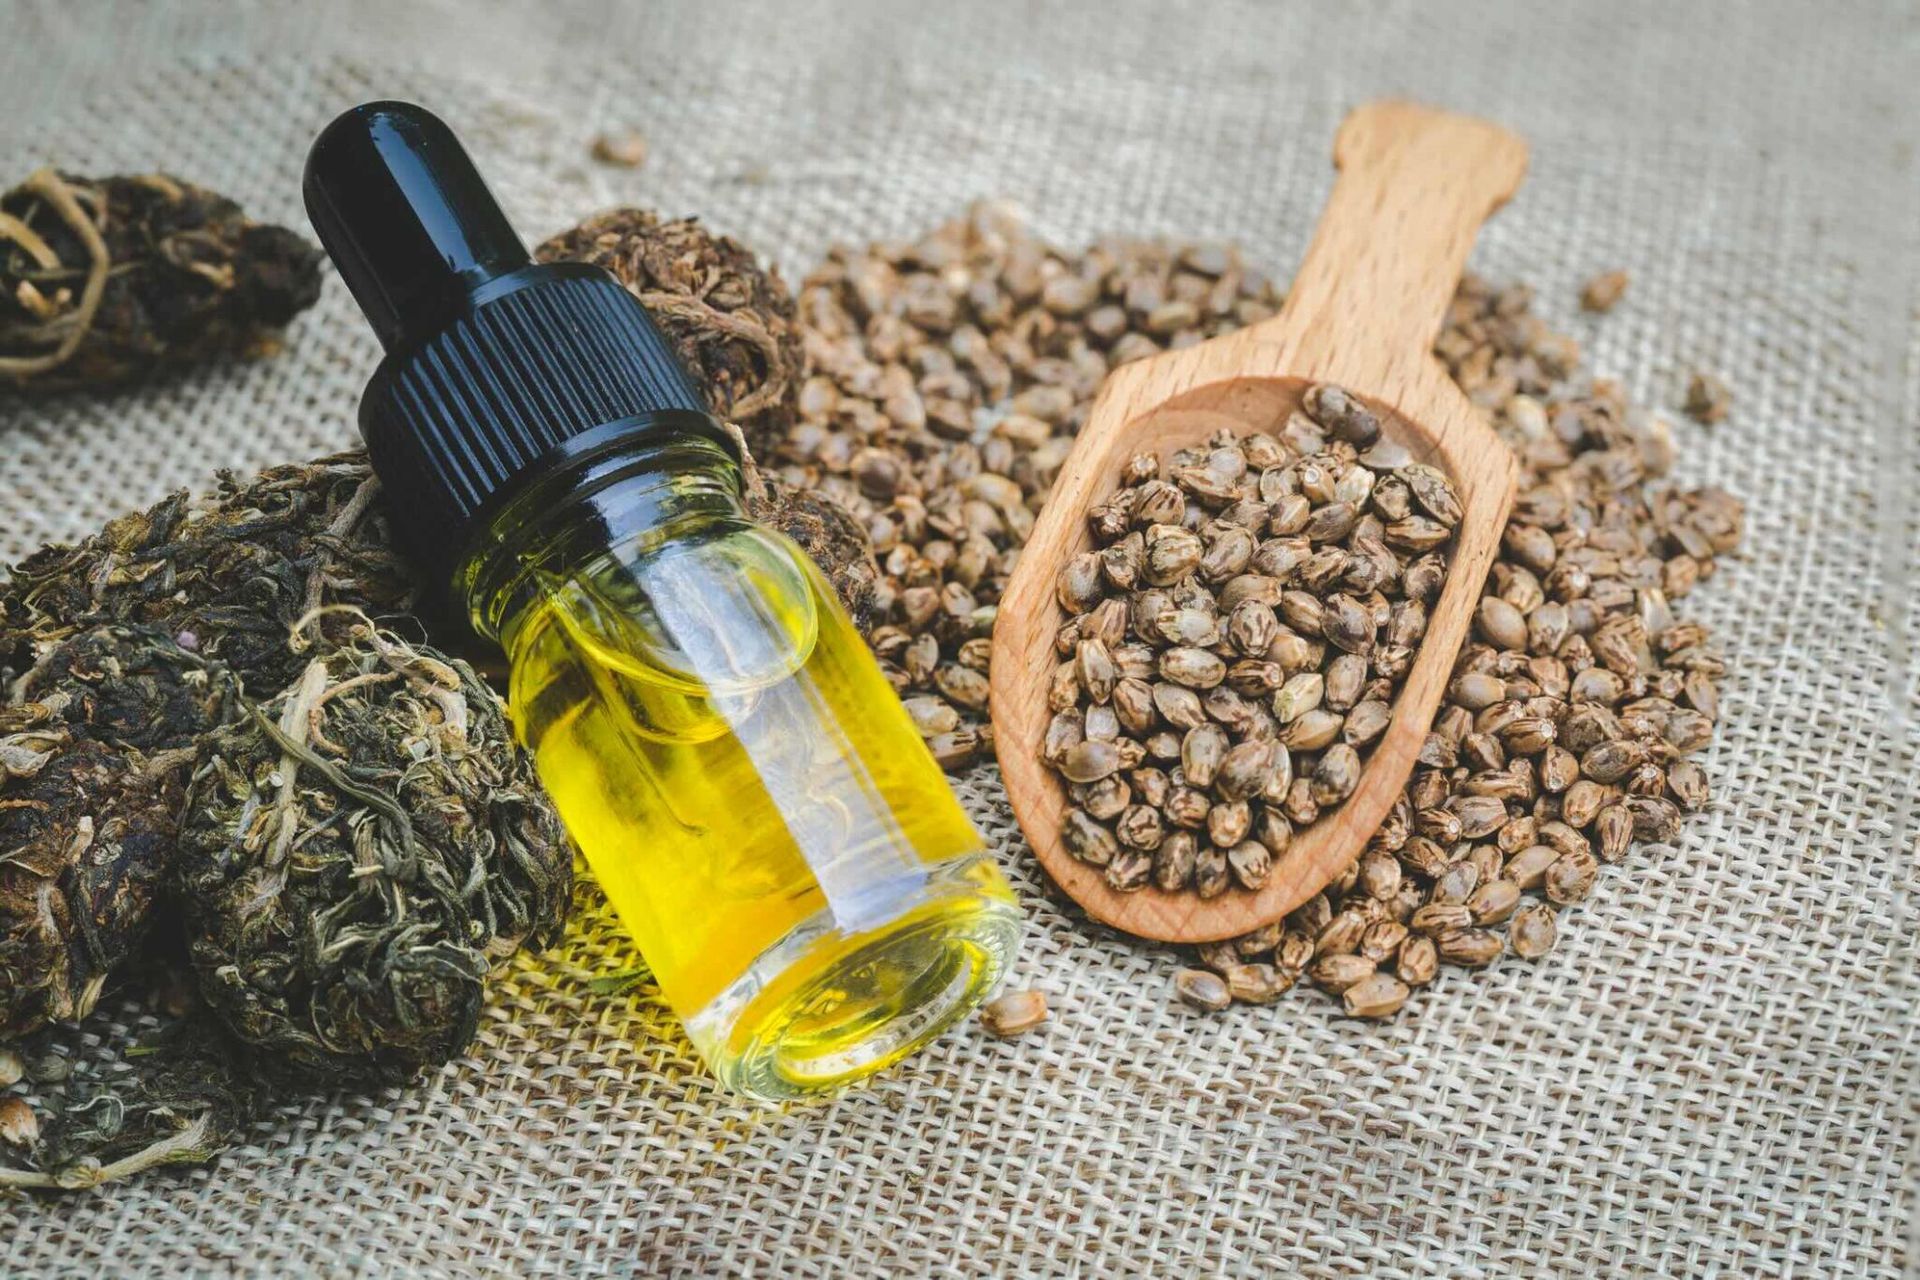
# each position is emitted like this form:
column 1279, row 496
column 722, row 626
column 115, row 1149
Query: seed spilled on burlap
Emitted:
column 944, row 381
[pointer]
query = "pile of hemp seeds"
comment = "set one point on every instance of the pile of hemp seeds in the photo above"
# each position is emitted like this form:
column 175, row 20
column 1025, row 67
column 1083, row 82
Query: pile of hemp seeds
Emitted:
column 944, row 381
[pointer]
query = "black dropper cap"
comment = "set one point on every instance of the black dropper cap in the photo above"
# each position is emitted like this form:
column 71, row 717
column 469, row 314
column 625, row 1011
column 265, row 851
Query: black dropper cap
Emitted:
column 494, row 364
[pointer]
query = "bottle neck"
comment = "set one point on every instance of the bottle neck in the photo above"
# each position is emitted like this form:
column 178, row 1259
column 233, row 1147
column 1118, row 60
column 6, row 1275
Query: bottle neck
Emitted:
column 629, row 489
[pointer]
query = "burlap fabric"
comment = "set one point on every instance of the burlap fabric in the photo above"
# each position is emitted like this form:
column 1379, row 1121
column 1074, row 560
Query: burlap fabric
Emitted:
column 1711, row 1076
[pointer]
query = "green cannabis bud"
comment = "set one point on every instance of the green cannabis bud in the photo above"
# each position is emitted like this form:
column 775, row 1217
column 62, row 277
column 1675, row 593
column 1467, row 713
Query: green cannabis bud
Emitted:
column 730, row 320
column 230, row 576
column 103, row 281
column 357, row 853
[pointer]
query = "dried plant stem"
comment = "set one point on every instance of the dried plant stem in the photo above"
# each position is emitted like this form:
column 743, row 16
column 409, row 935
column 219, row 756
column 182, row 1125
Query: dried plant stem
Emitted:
column 27, row 238
column 294, row 722
column 191, row 1145
column 48, row 186
column 697, row 311
column 342, row 524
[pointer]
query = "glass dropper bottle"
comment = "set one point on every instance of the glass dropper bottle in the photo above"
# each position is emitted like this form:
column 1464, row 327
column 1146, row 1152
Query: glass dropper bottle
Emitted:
column 741, row 778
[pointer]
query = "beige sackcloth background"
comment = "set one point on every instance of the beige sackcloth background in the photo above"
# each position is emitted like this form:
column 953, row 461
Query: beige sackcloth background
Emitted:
column 1711, row 1076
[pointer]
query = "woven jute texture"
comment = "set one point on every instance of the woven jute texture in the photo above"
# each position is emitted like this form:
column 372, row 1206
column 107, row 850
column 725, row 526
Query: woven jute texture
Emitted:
column 1711, row 1076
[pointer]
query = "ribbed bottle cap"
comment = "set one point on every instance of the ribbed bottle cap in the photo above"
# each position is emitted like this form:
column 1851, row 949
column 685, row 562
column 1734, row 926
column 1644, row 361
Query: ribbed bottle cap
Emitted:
column 493, row 363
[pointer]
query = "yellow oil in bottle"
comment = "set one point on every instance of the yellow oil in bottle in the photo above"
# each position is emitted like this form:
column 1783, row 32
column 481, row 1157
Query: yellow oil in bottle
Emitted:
column 758, row 808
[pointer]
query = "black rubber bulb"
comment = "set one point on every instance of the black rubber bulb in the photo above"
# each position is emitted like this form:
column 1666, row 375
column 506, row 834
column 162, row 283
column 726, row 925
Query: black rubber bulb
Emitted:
column 406, row 217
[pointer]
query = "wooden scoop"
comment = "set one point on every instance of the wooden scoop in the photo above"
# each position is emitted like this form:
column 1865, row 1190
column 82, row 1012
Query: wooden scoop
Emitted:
column 1413, row 188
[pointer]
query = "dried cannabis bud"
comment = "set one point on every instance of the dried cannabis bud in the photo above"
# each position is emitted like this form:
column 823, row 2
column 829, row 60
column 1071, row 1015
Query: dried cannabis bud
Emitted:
column 229, row 576
column 357, row 853
column 104, row 281
column 829, row 535
column 823, row 529
column 733, row 325
column 85, row 840
column 731, row 321
column 180, row 1098
column 130, row 687
column 92, row 768
column 107, row 733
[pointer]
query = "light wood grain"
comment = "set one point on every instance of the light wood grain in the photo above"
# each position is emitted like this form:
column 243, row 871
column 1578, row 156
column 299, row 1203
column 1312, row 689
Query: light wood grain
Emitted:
column 1413, row 188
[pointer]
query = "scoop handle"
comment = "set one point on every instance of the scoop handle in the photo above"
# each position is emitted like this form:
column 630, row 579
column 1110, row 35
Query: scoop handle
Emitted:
column 1414, row 186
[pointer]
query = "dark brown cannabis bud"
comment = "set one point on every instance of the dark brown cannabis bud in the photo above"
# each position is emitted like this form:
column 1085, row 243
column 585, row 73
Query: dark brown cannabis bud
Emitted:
column 93, row 758
column 733, row 324
column 103, row 281
column 826, row 531
column 85, row 840
column 731, row 321
column 356, row 853
column 229, row 576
